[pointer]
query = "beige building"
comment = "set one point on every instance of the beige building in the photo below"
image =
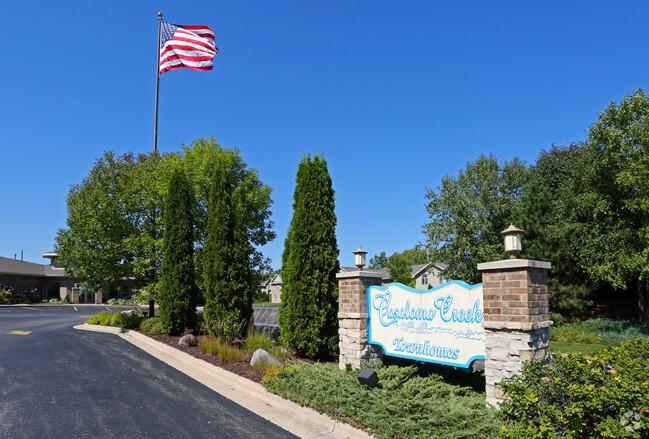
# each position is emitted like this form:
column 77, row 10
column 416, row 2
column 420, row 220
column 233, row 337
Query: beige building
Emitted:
column 429, row 275
column 49, row 280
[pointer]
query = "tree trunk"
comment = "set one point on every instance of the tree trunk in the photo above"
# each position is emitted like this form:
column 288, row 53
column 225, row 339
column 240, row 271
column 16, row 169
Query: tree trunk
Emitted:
column 643, row 299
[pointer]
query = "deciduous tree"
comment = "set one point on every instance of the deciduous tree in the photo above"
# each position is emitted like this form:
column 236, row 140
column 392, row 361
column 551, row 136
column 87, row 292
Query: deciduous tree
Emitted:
column 114, row 227
column 609, row 222
column 399, row 269
column 112, row 231
column 378, row 261
column 469, row 211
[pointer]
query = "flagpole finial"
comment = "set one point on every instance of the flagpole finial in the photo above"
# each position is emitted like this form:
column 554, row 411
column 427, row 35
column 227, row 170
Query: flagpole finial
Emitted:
column 159, row 15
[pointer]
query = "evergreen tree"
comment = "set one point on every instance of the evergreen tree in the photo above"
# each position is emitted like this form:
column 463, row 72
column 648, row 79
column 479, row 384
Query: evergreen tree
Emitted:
column 532, row 214
column 178, row 293
column 308, row 315
column 228, row 277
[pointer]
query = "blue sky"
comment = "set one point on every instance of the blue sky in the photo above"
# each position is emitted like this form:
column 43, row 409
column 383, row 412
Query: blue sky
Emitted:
column 396, row 94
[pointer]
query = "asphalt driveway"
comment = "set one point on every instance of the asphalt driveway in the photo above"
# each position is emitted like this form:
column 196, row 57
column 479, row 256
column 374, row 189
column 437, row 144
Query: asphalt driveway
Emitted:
column 56, row 382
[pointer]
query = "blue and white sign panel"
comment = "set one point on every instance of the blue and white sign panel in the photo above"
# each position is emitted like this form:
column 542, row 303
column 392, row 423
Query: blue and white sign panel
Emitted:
column 441, row 325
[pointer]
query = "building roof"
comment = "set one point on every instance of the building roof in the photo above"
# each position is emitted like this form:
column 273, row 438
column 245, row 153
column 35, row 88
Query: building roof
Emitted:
column 21, row 268
column 417, row 269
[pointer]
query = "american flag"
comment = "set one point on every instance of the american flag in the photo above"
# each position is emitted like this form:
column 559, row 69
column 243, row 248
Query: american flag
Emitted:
column 186, row 46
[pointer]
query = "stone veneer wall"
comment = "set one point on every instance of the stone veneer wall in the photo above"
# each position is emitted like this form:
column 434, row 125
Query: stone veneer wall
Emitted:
column 352, row 319
column 516, row 319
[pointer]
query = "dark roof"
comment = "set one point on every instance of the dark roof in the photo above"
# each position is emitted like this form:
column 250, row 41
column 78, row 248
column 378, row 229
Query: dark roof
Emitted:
column 417, row 269
column 22, row 268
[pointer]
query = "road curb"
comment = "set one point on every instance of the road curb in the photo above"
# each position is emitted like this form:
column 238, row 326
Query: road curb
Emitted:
column 301, row 421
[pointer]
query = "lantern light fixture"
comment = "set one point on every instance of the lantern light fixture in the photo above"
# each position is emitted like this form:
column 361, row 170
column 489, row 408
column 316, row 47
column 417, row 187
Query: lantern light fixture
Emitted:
column 359, row 258
column 513, row 244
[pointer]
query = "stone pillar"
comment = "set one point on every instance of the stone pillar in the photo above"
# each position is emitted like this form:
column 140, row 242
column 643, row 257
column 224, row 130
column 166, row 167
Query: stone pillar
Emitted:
column 63, row 291
column 99, row 298
column 517, row 327
column 352, row 319
column 74, row 296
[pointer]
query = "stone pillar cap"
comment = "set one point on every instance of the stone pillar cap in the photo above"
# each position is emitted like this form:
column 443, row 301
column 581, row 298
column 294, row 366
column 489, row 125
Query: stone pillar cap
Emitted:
column 513, row 263
column 364, row 273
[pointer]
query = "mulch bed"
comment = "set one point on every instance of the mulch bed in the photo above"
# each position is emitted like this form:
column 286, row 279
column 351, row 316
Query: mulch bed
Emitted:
column 242, row 369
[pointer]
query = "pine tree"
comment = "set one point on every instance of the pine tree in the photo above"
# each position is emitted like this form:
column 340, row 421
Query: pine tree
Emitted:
column 533, row 214
column 228, row 293
column 308, row 315
column 178, row 293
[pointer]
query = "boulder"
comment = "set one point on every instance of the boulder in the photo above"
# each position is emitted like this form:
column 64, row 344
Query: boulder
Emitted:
column 188, row 340
column 264, row 357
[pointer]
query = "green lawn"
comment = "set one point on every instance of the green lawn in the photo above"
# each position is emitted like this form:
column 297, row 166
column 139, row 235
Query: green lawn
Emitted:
column 557, row 347
column 266, row 304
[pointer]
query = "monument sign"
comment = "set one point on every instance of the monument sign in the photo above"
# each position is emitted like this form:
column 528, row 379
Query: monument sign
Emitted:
column 440, row 325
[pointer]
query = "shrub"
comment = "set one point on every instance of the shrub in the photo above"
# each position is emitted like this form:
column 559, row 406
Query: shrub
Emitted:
column 615, row 331
column 263, row 297
column 557, row 319
column 579, row 396
column 126, row 320
column 157, row 328
column 11, row 297
column 271, row 371
column 574, row 334
column 607, row 331
column 404, row 404
column 200, row 324
column 103, row 318
column 225, row 329
column 147, row 324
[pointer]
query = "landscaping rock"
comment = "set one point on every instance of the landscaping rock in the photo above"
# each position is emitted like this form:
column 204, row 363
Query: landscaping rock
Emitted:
column 188, row 340
column 264, row 357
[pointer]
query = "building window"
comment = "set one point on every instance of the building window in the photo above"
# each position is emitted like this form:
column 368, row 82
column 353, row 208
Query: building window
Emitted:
column 424, row 279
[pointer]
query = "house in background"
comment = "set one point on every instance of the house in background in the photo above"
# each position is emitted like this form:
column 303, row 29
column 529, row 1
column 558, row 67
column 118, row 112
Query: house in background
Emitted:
column 425, row 275
column 429, row 275
column 263, row 288
column 273, row 287
column 51, row 281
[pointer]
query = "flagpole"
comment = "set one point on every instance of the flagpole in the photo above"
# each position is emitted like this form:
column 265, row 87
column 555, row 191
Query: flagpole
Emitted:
column 157, row 83
column 155, row 143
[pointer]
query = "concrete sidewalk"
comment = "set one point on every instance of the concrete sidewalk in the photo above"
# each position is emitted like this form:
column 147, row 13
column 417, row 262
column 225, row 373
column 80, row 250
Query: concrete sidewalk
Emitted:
column 301, row 421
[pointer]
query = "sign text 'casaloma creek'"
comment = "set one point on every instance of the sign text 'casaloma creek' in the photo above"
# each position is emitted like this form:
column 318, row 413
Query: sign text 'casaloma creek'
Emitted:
column 441, row 325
